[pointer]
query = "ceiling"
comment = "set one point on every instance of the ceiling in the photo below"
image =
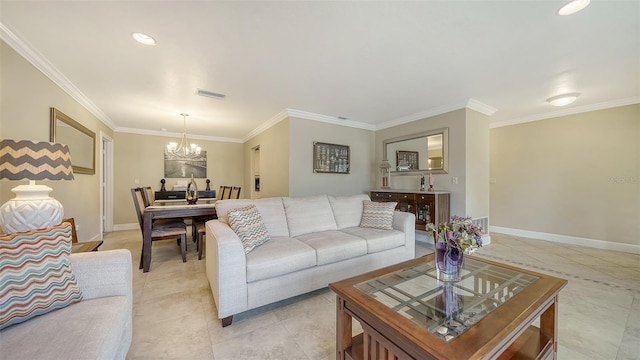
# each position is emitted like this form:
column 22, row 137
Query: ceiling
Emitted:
column 375, row 63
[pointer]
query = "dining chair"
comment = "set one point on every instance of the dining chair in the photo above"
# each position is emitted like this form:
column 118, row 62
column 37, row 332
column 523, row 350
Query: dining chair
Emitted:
column 235, row 192
column 74, row 234
column 223, row 192
column 199, row 224
column 148, row 196
column 158, row 231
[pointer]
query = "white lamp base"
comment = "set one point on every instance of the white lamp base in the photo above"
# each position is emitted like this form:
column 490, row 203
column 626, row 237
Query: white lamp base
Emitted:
column 31, row 209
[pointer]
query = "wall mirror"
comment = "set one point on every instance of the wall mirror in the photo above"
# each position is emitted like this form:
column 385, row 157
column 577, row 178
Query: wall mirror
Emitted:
column 81, row 141
column 425, row 152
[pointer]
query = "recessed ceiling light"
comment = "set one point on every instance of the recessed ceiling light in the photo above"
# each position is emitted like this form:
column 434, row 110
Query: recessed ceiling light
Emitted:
column 143, row 39
column 573, row 7
column 564, row 99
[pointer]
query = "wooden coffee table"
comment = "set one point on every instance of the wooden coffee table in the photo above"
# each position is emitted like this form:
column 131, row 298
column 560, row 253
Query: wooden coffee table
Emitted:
column 406, row 312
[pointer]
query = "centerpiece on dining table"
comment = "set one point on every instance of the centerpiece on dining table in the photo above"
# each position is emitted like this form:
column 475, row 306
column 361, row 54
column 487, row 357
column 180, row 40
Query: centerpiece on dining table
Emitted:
column 452, row 240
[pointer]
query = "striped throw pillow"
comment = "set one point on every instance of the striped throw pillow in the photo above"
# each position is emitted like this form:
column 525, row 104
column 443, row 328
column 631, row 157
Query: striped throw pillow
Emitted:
column 378, row 215
column 35, row 274
column 247, row 223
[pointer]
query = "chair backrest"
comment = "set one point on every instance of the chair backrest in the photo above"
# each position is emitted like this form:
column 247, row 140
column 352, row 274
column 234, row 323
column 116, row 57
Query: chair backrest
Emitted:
column 139, row 203
column 235, row 192
column 74, row 235
column 148, row 196
column 225, row 192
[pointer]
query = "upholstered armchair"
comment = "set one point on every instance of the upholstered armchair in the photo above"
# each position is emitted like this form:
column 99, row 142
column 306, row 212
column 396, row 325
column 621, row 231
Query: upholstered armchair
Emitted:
column 58, row 305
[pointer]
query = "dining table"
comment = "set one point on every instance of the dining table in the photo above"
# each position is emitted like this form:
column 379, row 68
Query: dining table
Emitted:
column 169, row 211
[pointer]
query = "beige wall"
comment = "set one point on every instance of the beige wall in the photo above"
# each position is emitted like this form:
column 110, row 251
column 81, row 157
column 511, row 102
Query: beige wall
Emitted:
column 139, row 161
column 274, row 160
column 303, row 181
column 576, row 175
column 456, row 122
column 26, row 96
column 476, row 181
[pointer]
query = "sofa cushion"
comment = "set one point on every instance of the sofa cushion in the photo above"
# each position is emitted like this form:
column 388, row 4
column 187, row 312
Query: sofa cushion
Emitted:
column 36, row 275
column 308, row 214
column 378, row 215
column 247, row 223
column 347, row 210
column 271, row 209
column 90, row 329
column 279, row 256
column 333, row 246
column 377, row 239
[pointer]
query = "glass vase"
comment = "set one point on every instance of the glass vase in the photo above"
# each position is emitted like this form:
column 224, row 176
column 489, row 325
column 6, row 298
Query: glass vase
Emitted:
column 192, row 192
column 449, row 260
column 449, row 303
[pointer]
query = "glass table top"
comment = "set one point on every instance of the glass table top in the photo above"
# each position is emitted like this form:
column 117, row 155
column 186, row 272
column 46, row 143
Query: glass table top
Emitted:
column 447, row 309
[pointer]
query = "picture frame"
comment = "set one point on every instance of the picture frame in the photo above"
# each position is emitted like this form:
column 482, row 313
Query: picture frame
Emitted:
column 331, row 158
column 409, row 160
column 176, row 166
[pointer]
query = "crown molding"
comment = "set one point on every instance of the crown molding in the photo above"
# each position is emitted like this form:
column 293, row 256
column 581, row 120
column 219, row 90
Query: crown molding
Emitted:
column 28, row 52
column 288, row 113
column 329, row 119
column 175, row 135
column 266, row 125
column 422, row 115
column 480, row 107
column 565, row 112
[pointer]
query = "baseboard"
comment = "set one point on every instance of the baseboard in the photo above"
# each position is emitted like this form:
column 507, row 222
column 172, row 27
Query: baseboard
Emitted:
column 122, row 227
column 571, row 240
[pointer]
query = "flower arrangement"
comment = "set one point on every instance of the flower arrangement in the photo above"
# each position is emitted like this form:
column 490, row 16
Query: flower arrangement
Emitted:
column 459, row 233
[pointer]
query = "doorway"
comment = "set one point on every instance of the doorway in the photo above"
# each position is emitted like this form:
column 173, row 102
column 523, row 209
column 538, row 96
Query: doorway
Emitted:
column 255, row 172
column 106, row 184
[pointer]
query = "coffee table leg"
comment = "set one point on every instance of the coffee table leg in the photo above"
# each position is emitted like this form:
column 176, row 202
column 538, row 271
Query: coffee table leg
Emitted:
column 549, row 324
column 343, row 329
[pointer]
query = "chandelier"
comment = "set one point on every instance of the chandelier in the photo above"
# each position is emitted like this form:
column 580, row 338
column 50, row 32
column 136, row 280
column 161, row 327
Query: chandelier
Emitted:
column 184, row 149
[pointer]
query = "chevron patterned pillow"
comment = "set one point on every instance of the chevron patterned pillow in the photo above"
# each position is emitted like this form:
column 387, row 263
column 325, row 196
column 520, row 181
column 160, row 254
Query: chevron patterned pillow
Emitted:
column 247, row 223
column 36, row 275
column 378, row 215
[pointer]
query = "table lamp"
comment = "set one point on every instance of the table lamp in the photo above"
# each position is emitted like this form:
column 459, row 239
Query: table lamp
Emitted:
column 32, row 208
column 385, row 170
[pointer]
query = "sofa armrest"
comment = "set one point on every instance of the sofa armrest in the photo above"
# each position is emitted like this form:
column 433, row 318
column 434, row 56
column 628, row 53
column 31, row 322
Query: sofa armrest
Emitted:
column 406, row 222
column 226, row 265
column 103, row 273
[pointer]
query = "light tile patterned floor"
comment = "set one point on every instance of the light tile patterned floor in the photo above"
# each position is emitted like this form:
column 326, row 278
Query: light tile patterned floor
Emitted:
column 175, row 316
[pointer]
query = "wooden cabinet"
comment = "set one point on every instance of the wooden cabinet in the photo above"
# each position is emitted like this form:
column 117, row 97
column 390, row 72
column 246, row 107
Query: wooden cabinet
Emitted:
column 428, row 207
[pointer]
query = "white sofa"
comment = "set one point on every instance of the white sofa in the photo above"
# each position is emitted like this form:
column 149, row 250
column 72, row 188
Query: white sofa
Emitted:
column 314, row 241
column 98, row 327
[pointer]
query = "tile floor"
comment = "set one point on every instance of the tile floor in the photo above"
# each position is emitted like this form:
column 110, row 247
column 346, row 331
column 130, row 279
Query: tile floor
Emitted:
column 175, row 316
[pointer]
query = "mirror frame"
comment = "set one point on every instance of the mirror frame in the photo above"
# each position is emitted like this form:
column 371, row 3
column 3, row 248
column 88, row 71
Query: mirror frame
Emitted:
column 58, row 115
column 445, row 151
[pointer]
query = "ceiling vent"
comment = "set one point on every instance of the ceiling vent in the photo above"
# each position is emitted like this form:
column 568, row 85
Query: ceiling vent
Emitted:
column 210, row 94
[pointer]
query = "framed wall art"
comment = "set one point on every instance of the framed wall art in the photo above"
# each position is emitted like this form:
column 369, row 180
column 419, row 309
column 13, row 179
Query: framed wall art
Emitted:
column 177, row 166
column 331, row 158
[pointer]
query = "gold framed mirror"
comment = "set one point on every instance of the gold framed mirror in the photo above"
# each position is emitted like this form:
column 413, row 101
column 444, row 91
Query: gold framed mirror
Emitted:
column 424, row 152
column 81, row 141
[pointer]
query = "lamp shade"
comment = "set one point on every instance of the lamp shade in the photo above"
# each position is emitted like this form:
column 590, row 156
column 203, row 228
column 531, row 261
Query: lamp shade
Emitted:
column 29, row 160
column 32, row 208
